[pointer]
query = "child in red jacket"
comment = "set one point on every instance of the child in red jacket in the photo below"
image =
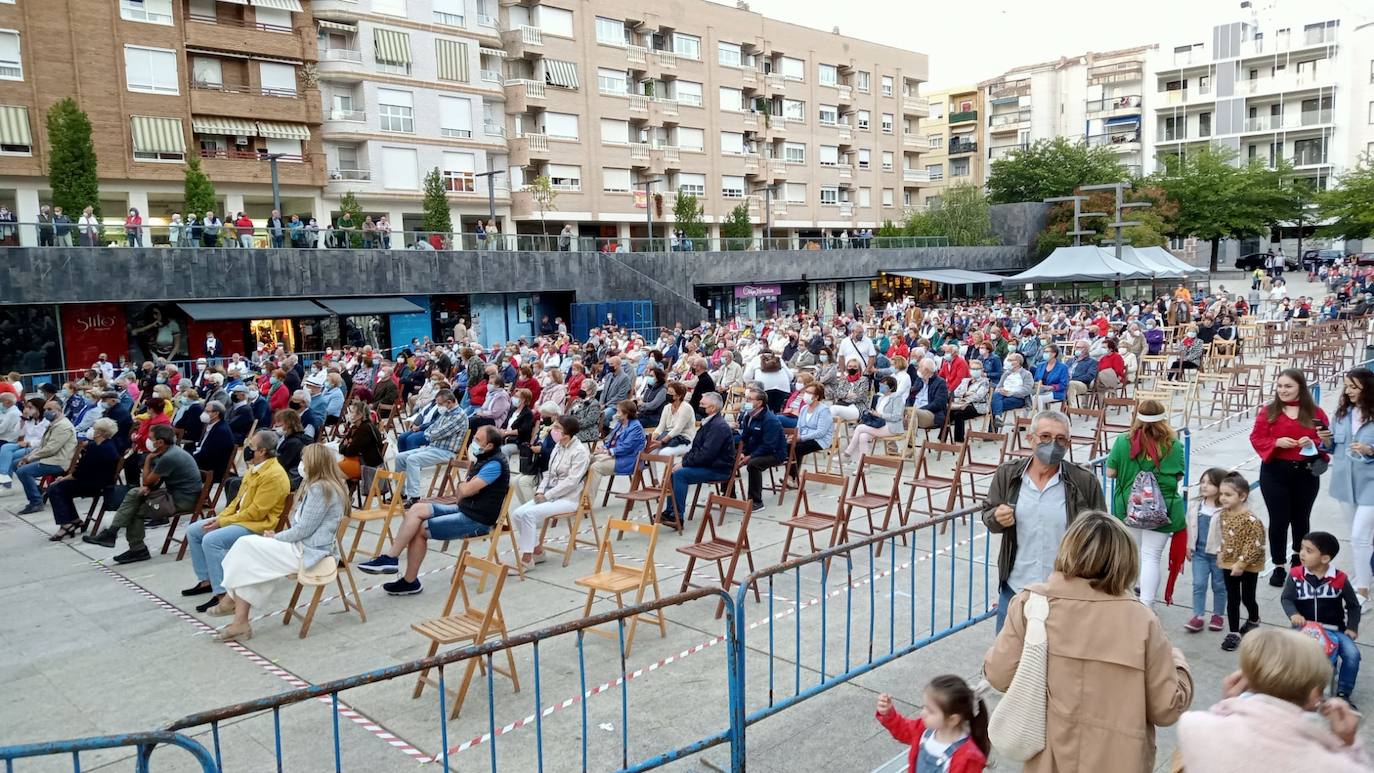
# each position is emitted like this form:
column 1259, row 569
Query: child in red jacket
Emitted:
column 951, row 735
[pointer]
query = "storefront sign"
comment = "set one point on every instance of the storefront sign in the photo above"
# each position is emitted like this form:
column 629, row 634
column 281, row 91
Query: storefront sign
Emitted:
column 758, row 291
column 89, row 329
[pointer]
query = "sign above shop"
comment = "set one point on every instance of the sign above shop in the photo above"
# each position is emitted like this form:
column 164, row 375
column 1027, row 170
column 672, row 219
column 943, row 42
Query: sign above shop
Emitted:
column 758, row 291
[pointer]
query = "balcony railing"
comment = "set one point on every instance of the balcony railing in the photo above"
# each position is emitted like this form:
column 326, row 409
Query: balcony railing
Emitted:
column 963, row 116
column 237, row 154
column 484, row 20
column 846, row 171
column 531, row 35
column 536, row 142
column 915, row 141
column 341, row 55
column 1184, row 96
column 776, row 83
column 1309, row 159
column 1001, row 151
column 351, row 175
column 777, row 169
column 353, row 116
column 1113, row 138
column 639, row 151
column 1114, row 103
column 250, row 25
column 491, row 76
column 957, row 147
column 243, row 88
column 666, row 58
column 916, row 175
column 636, row 54
column 493, row 129
column 912, row 104
column 1269, row 123
column 846, row 93
column 639, row 103
column 670, row 153
column 1009, row 118
column 533, row 89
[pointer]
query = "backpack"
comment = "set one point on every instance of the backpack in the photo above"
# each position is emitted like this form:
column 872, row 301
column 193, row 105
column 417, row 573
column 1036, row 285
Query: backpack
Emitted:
column 1146, row 508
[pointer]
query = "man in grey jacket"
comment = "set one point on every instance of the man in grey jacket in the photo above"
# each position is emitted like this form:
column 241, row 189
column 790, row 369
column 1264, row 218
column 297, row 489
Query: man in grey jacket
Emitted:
column 616, row 388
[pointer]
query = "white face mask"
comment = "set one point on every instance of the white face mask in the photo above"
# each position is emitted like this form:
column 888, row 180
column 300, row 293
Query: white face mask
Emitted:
column 151, row 446
column 205, row 417
column 517, row 402
column 808, row 398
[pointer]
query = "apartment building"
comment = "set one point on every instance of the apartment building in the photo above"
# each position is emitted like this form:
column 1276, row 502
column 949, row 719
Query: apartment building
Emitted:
column 623, row 104
column 163, row 81
column 954, row 134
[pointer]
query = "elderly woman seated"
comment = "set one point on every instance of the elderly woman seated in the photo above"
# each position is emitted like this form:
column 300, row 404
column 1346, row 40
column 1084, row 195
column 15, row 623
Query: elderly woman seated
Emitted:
column 255, row 562
column 94, row 471
column 886, row 421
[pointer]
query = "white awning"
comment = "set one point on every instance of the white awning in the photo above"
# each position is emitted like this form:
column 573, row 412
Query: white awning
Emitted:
column 560, row 73
column 293, row 6
column 213, row 124
column 451, row 59
column 284, row 131
column 14, row 125
column 154, row 134
column 492, row 52
column 393, row 47
column 336, row 26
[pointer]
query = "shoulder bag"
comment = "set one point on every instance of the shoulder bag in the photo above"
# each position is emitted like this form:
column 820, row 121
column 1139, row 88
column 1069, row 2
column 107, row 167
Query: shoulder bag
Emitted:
column 1017, row 726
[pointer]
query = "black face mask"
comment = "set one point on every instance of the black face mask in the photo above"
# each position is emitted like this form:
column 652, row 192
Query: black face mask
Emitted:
column 853, row 371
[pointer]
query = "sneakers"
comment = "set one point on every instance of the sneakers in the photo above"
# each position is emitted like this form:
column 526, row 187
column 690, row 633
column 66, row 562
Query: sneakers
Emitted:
column 1216, row 623
column 105, row 539
column 31, row 509
column 1276, row 577
column 758, row 506
column 5, row 480
column 402, row 587
column 1194, row 624
column 133, row 555
column 380, row 565
column 1231, row 643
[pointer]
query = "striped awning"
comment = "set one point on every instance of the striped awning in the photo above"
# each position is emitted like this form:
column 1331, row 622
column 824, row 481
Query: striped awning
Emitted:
column 452, row 59
column 496, row 52
column 154, row 134
column 293, row 6
column 392, row 47
column 336, row 26
column 284, row 131
column 14, row 125
column 235, row 2
column 213, row 124
column 560, row 73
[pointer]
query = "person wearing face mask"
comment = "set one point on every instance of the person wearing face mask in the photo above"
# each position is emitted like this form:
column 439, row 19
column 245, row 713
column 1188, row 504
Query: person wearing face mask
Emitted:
column 1014, row 389
column 187, row 415
column 293, row 439
column 931, row 396
column 1053, row 378
column 495, row 407
column 792, row 406
column 167, row 467
column 815, row 428
column 1082, row 372
column 557, row 491
column 1190, row 351
column 480, row 499
column 1031, row 503
column 360, row 443
column 764, row 444
column 623, row 442
column 953, row 367
column 702, row 384
column 1154, row 337
column 443, row 438
column 96, row 467
column 384, row 389
column 972, row 399
column 52, row 456
column 242, row 414
column 710, row 459
column 992, row 364
column 518, row 430
column 890, row 409
column 216, row 442
column 277, row 394
column 155, row 416
column 858, row 347
column 852, row 392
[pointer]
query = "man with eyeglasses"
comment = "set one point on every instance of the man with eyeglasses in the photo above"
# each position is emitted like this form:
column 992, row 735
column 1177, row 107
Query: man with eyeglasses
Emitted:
column 1031, row 503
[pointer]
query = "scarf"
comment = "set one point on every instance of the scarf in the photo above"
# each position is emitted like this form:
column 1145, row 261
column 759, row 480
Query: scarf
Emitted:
column 1142, row 441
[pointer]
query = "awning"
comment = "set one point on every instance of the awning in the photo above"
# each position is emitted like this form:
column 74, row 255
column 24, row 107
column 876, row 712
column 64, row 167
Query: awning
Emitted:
column 158, row 135
column 950, row 276
column 221, row 310
column 496, row 52
column 214, row 52
column 451, row 56
column 235, row 2
column 14, row 125
column 348, row 307
column 560, row 73
column 392, row 47
column 284, row 131
column 233, row 127
column 336, row 26
column 293, row 6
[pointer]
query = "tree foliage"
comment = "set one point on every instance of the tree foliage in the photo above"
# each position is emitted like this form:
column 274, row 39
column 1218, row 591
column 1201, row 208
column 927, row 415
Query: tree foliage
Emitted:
column 889, row 229
column 1156, row 221
column 544, row 194
column 198, row 195
column 72, row 173
column 437, row 218
column 687, row 219
column 1217, row 199
column 1048, row 168
column 963, row 216
column 736, row 232
column 1349, row 203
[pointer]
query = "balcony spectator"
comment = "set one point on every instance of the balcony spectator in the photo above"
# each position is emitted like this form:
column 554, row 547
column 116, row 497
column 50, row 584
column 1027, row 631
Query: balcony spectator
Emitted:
column 276, row 229
column 192, row 232
column 243, row 226
column 45, row 228
column 312, row 234
column 481, row 234
column 297, row 230
column 133, row 228
column 62, row 227
column 384, row 233
column 90, row 228
column 211, row 226
column 369, row 233
column 174, row 230
column 565, row 238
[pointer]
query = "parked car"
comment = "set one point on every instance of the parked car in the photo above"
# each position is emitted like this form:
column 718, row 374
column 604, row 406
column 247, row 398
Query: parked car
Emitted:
column 1253, row 261
column 1364, row 259
column 1321, row 257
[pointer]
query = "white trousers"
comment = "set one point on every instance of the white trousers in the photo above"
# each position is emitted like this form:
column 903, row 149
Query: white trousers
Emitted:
column 1361, row 520
column 529, row 518
column 254, row 564
column 846, row 412
column 1152, row 546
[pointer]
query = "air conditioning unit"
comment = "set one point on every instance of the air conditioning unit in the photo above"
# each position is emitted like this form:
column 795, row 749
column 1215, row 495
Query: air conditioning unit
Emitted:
column 241, row 140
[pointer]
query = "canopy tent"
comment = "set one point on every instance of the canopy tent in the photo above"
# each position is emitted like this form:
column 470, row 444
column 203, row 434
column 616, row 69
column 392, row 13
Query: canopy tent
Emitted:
column 1084, row 263
column 950, row 276
column 1136, row 258
column 1166, row 258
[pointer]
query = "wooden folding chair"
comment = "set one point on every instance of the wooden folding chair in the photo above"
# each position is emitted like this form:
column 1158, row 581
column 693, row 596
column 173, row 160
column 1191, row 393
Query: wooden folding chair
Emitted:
column 1123, row 409
column 472, row 625
column 837, row 443
column 924, row 479
column 869, row 496
column 218, row 490
column 96, row 513
column 714, row 547
column 375, row 509
column 781, row 486
column 1088, row 433
column 972, row 468
column 322, row 581
column 654, row 496
column 618, row 578
column 196, row 512
column 812, row 520
column 574, row 521
column 502, row 527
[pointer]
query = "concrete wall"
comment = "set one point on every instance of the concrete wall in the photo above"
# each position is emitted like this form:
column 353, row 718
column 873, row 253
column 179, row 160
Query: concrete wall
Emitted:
column 1019, row 224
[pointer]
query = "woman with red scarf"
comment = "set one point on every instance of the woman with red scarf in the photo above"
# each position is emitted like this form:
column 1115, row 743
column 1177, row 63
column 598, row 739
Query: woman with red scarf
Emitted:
column 1151, row 446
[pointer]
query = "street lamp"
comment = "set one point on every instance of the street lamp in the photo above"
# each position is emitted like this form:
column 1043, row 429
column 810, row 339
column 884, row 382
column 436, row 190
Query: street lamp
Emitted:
column 276, row 186
column 767, row 212
column 649, row 208
column 491, row 190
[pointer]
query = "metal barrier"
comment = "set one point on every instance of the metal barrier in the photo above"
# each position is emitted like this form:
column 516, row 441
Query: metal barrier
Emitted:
column 145, row 743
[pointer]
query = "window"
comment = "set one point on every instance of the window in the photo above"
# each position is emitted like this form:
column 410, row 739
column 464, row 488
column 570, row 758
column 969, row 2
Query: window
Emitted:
column 887, row 85
column 688, row 46
column 794, row 193
column 390, row 7
column 731, row 187
column 15, row 138
column 864, row 158
column 865, row 197
column 861, row 80
column 861, row 119
column 731, row 99
column 794, row 152
column 887, row 197
column 829, row 155
column 450, row 12
column 555, row 21
column 611, row 31
column 692, row 184
column 728, row 54
column 460, row 172
column 152, row 70
column 830, row 194
column 829, row 115
column 794, row 110
column 691, row 139
column 887, row 123
column 958, row 167
column 561, row 126
column 565, row 177
column 1204, row 124
column 937, row 110
column 792, row 69
column 937, row 141
column 614, row 180
column 348, row 157
column 278, row 80
column 272, row 19
column 732, row 143
column 887, row 161
column 206, row 72
column 828, row 74
column 687, row 92
column 400, row 169
column 610, row 81
column 396, row 109
column 203, row 10
column 1308, row 152
column 455, row 117
column 614, row 131
column 150, row 11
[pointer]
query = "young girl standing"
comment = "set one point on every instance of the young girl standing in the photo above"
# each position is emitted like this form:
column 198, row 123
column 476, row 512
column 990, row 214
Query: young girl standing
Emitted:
column 950, row 736
column 1241, row 556
column 1203, row 552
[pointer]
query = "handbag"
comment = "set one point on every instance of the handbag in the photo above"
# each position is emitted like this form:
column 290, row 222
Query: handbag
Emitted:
column 159, row 503
column 322, row 573
column 1017, row 725
column 871, row 419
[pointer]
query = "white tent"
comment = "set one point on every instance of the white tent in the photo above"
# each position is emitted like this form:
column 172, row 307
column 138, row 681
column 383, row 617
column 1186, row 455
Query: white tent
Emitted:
column 1084, row 263
column 1166, row 258
column 1140, row 260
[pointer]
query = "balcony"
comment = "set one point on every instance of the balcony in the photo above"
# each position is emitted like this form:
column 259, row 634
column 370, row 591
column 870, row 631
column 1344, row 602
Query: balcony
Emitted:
column 250, row 165
column 493, row 129
column 241, row 99
column 1003, row 150
column 963, row 116
column 752, row 163
column 637, row 55
column 777, row 170
column 917, row 142
column 776, row 84
column 846, row 171
column 1118, row 72
column 844, row 133
column 1289, row 81
column 523, row 42
column 749, row 76
column 777, row 127
column 666, row 59
column 1308, row 160
column 1009, row 89
column 915, row 176
column 779, row 209
column 1126, row 142
column 1288, row 121
column 523, row 94
column 528, row 149
column 341, row 181
column 846, row 209
column 1178, row 97
column 491, row 76
column 639, row 104
column 959, row 147
column 1010, row 119
column 344, row 122
column 234, row 35
column 639, row 155
column 914, row 105
column 750, row 119
column 846, row 94
column 1114, row 105
column 662, row 110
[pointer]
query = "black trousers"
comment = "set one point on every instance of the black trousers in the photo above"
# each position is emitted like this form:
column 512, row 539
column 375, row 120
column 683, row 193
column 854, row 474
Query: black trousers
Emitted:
column 804, row 447
column 754, row 468
column 1240, row 589
column 958, row 416
column 1289, row 491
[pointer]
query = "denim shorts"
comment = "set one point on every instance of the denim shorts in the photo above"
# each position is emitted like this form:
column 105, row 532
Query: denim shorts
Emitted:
column 449, row 522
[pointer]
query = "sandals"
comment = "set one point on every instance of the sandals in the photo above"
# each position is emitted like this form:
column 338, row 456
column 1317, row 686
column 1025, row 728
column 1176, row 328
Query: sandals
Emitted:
column 70, row 529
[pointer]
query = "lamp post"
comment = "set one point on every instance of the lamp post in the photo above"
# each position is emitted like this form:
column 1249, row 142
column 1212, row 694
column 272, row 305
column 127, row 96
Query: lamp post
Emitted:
column 491, row 191
column 276, row 186
column 767, row 214
column 649, row 209
column 1078, row 213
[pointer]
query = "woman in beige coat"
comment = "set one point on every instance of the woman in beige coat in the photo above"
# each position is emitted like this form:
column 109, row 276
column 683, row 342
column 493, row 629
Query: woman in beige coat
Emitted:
column 1113, row 675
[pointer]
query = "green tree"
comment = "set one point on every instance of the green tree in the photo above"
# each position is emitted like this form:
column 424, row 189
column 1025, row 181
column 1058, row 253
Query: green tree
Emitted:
column 542, row 191
column 199, row 193
column 1292, row 200
column 348, row 205
column 687, row 219
column 1217, row 199
column 1349, row 203
column 736, row 231
column 437, row 219
column 1050, row 168
column 71, row 160
column 963, row 216
column 1156, row 221
column 889, row 230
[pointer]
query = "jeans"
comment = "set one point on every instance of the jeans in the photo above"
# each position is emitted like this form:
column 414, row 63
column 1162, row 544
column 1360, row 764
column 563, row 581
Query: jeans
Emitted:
column 278, row 240
column 28, row 476
column 1348, row 656
column 409, row 441
column 684, row 478
column 1001, row 403
column 1361, row 519
column 1004, row 596
column 413, row 462
column 1206, row 572
column 448, row 522
column 208, row 549
column 9, row 452
column 788, row 422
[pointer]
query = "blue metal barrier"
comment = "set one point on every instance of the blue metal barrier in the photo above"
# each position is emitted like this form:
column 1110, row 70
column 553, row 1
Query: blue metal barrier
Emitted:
column 143, row 743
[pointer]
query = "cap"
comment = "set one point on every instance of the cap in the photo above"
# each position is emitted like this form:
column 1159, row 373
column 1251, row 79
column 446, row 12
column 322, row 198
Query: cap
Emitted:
column 239, row 388
column 315, row 380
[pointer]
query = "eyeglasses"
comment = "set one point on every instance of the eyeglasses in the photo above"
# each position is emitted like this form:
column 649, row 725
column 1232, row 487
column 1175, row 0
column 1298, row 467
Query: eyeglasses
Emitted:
column 1046, row 437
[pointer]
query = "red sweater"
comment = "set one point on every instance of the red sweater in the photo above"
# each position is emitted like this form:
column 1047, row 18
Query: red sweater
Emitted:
column 966, row 759
column 1263, row 436
column 1113, row 361
column 954, row 372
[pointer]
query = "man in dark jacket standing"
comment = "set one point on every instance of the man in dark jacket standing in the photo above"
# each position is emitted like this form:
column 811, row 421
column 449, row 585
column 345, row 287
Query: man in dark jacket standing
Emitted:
column 765, row 445
column 710, row 459
column 1031, row 504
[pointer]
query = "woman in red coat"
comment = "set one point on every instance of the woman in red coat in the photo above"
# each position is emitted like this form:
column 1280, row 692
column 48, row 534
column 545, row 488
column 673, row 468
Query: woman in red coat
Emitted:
column 278, row 396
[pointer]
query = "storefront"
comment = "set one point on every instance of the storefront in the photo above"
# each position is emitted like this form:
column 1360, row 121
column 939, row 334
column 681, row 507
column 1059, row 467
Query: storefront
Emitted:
column 241, row 326
column 446, row 311
column 30, row 340
column 754, row 301
column 930, row 285
column 382, row 323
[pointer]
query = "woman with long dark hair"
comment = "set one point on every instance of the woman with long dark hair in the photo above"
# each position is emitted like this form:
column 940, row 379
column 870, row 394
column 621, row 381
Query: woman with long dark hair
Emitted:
column 1288, row 438
column 1352, row 468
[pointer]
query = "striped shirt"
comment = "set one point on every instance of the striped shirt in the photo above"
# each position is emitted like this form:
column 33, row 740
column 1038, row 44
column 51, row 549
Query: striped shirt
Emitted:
column 447, row 430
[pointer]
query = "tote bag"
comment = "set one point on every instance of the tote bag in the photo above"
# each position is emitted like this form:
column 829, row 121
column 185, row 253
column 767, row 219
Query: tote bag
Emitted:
column 1017, row 727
